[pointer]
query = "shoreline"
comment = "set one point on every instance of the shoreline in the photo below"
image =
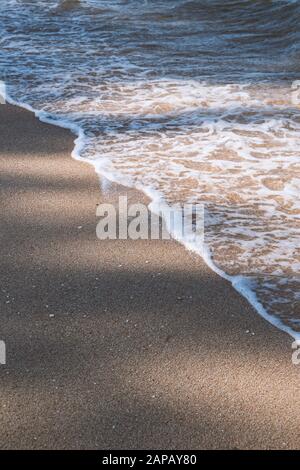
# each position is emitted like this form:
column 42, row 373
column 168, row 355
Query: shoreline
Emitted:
column 239, row 283
column 101, row 353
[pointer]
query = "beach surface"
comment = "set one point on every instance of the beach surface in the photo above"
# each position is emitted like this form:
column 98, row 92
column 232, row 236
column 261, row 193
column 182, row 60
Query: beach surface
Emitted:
column 119, row 343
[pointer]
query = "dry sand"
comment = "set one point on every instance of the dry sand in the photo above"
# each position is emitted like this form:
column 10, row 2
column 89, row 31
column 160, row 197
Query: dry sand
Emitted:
column 100, row 351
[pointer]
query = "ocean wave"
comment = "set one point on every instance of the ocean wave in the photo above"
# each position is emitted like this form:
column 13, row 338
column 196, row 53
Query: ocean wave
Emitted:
column 188, row 101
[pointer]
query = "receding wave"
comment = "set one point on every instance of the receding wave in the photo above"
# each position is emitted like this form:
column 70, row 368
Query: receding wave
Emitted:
column 192, row 101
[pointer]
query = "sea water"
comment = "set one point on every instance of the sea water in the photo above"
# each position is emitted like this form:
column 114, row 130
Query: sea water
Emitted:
column 190, row 101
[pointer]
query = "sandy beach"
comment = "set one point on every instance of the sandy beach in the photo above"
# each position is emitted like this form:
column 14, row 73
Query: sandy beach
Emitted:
column 121, row 344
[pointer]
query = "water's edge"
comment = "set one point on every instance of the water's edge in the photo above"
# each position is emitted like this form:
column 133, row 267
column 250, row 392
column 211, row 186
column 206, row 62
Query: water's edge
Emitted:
column 239, row 283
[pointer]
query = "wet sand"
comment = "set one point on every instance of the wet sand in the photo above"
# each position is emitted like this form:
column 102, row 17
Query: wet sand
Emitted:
column 121, row 344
